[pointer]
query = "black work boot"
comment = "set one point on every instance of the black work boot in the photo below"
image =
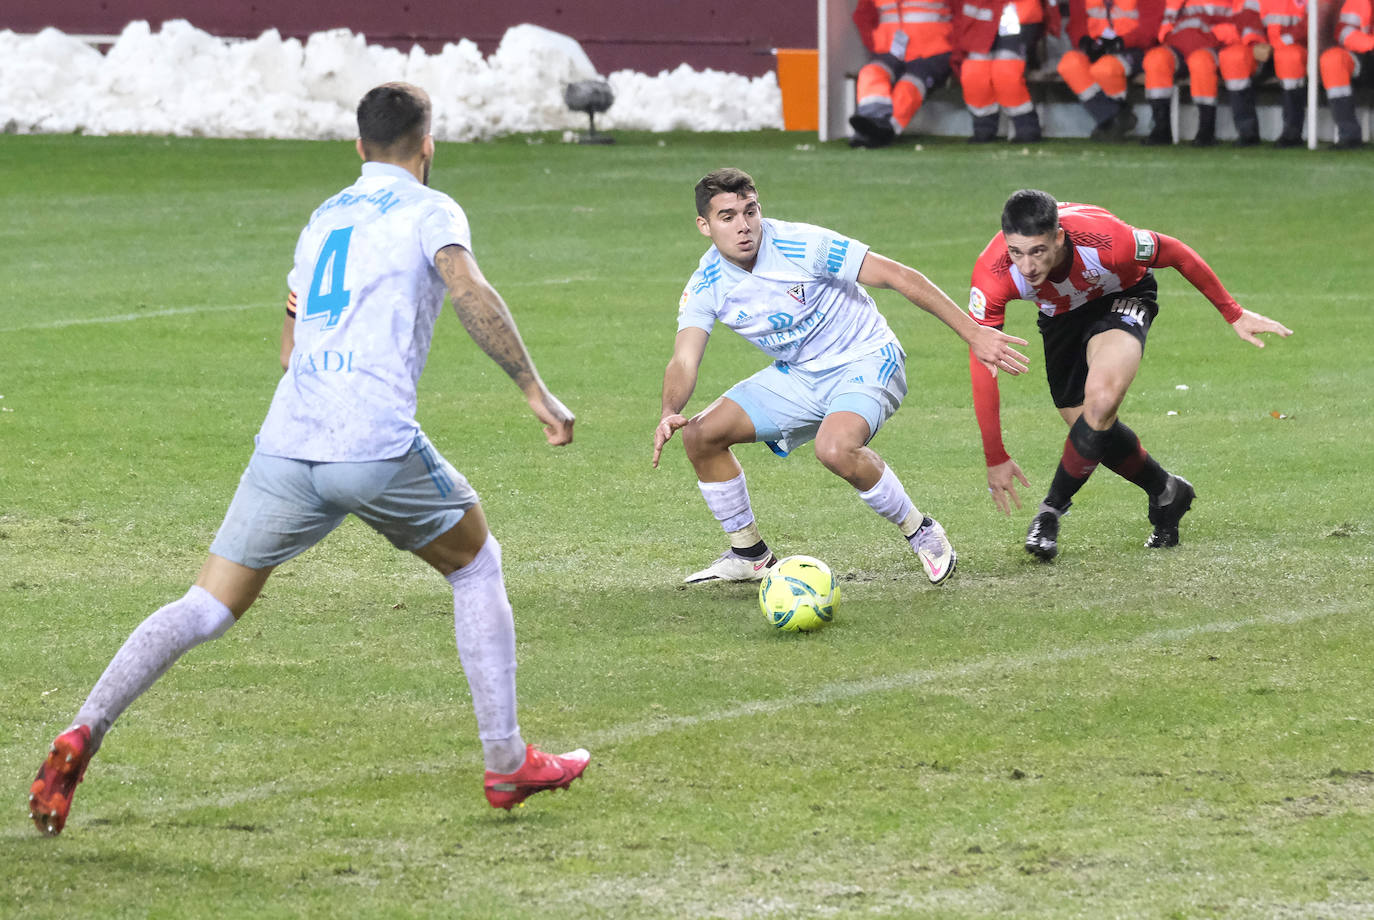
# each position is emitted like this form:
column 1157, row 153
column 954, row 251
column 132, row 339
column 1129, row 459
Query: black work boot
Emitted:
column 1294, row 108
column 1347, row 127
column 1103, row 109
column 1245, row 117
column 1206, row 126
column 984, row 129
column 1160, row 132
column 1025, row 128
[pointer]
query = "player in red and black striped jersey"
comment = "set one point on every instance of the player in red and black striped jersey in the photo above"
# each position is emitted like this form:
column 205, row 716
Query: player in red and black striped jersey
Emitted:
column 1091, row 275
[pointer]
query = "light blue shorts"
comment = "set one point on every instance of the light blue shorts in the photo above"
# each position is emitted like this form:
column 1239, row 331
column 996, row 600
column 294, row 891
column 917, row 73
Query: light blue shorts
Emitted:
column 283, row 507
column 787, row 405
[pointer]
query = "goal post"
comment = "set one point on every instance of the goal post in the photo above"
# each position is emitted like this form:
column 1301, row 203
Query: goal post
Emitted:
column 841, row 54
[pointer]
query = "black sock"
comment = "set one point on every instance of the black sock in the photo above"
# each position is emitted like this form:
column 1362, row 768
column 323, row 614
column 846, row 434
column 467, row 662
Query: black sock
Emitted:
column 757, row 551
column 1128, row 459
column 1083, row 450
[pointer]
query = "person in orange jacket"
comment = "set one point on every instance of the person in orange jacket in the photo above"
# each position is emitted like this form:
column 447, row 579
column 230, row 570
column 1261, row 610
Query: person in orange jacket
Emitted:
column 909, row 41
column 1353, row 55
column 1111, row 40
column 1035, row 16
column 1285, row 27
column 1238, row 65
column 1207, row 36
column 992, row 46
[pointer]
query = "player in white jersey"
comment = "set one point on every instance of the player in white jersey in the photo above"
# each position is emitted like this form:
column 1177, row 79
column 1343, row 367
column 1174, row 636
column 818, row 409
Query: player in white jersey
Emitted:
column 796, row 291
column 371, row 270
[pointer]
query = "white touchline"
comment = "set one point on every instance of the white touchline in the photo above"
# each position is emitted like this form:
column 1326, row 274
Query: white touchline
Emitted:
column 849, row 689
column 130, row 317
column 827, row 693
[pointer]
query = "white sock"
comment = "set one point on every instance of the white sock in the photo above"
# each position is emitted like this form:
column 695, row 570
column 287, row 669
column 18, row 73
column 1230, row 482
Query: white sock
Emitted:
column 484, row 628
column 889, row 500
column 149, row 651
column 729, row 502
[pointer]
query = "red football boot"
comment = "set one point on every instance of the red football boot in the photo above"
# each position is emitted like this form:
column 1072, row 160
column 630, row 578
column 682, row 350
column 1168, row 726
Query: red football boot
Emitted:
column 50, row 796
column 540, row 771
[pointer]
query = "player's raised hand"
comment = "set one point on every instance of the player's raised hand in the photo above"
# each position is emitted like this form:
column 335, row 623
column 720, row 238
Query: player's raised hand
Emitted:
column 557, row 419
column 664, row 432
column 1250, row 324
column 993, row 349
column 1002, row 485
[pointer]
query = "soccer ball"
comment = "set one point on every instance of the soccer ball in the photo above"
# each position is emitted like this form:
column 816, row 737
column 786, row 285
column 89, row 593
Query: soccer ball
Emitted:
column 799, row 594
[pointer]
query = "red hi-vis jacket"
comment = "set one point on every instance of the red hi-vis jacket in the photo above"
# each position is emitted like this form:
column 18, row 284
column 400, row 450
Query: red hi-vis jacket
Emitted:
column 1112, row 18
column 1135, row 22
column 1108, row 256
column 975, row 25
column 906, row 29
column 1029, row 12
column 1192, row 24
column 1285, row 21
column 1355, row 27
column 1247, row 24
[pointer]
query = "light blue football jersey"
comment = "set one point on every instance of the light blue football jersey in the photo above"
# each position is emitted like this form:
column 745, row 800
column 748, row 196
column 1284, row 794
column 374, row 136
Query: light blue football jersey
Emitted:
column 367, row 296
column 801, row 305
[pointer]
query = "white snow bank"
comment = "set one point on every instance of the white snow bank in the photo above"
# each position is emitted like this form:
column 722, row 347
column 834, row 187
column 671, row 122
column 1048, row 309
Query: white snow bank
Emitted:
column 182, row 81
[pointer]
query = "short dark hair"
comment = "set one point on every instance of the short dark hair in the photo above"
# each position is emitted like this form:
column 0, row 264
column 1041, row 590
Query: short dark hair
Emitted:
column 1030, row 212
column 393, row 120
column 726, row 179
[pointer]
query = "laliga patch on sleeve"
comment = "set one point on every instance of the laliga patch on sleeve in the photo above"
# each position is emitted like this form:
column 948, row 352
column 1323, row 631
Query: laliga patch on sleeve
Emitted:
column 977, row 304
column 683, row 302
column 1144, row 245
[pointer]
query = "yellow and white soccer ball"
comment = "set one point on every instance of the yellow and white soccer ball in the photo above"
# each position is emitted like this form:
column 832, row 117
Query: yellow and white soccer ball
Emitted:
column 799, row 594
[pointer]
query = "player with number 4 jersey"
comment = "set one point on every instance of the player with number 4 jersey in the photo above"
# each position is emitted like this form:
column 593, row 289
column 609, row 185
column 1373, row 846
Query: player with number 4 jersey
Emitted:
column 366, row 296
column 371, row 271
column 1092, row 277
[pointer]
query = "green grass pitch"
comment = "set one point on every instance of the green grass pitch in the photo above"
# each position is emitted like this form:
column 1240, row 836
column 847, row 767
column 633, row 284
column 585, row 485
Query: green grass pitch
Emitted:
column 1177, row 734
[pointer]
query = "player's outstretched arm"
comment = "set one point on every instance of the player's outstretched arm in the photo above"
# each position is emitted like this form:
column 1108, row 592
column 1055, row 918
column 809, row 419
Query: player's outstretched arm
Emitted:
column 1003, row 471
column 991, row 346
column 1002, row 484
column 488, row 321
column 1178, row 255
column 679, row 380
column 1249, row 325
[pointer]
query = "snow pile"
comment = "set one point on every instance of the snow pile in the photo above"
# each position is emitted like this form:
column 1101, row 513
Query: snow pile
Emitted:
column 182, row 81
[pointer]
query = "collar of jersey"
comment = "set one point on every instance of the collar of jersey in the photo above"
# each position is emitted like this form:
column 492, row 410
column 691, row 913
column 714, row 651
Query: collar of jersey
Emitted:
column 373, row 168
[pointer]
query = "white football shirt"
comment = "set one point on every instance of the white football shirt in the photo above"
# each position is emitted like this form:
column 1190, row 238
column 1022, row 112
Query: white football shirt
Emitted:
column 367, row 296
column 801, row 305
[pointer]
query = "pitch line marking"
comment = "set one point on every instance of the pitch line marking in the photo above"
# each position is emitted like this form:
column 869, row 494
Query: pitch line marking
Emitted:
column 850, row 689
column 828, row 693
column 130, row 317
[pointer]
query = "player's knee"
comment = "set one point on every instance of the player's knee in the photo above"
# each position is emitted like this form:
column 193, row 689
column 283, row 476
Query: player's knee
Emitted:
column 1101, row 401
column 701, row 439
column 837, row 456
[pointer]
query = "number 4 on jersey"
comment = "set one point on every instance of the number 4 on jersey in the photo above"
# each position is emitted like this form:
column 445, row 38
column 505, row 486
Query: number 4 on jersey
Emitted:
column 331, row 263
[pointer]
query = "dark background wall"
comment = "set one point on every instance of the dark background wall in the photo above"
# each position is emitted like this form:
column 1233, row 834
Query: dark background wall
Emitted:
column 648, row 36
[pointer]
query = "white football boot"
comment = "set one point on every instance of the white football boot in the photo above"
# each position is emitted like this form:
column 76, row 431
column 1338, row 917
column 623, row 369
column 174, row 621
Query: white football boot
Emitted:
column 933, row 549
column 730, row 567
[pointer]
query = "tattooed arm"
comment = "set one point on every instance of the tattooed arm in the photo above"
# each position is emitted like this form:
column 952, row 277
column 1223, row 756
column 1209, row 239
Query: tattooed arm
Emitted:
column 488, row 321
